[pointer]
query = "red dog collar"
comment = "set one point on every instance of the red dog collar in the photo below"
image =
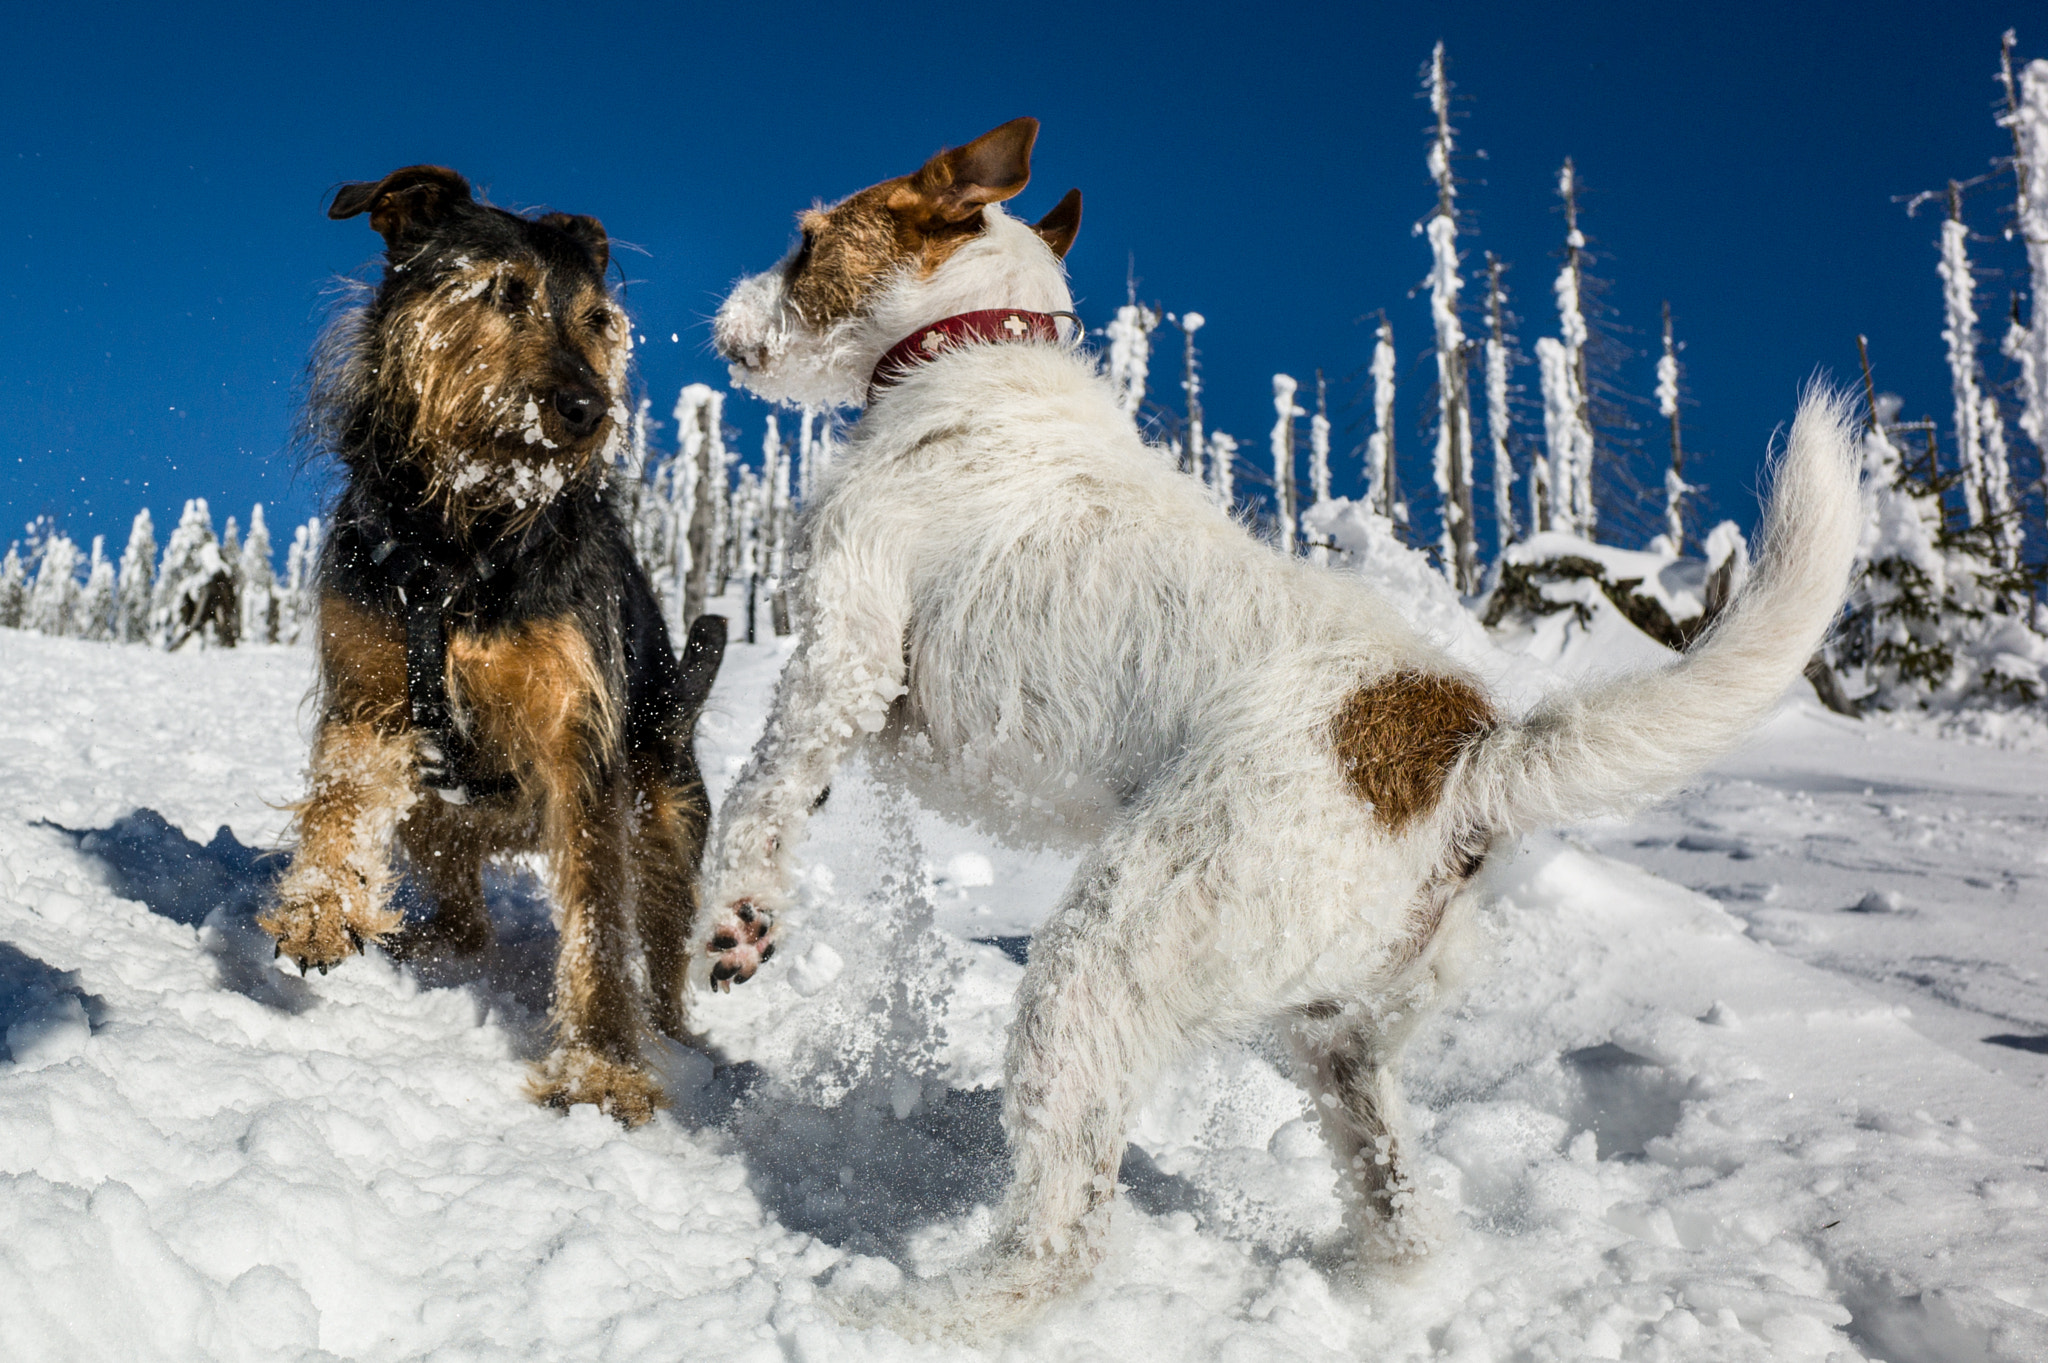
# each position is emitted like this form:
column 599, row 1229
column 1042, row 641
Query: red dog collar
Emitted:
column 989, row 325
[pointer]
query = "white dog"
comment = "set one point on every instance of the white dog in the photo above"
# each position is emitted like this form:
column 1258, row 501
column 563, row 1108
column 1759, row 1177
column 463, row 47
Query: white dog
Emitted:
column 1031, row 617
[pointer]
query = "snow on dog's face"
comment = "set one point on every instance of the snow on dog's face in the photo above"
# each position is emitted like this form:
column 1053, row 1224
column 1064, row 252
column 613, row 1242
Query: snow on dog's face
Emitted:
column 493, row 351
column 894, row 257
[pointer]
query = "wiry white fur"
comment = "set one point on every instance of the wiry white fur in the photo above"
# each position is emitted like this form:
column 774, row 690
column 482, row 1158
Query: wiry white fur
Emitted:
column 1031, row 617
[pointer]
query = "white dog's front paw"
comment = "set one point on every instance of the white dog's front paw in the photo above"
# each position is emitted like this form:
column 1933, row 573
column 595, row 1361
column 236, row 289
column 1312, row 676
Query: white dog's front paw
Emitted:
column 740, row 943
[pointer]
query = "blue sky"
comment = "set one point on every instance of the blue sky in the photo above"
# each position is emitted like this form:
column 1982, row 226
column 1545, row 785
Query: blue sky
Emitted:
column 167, row 261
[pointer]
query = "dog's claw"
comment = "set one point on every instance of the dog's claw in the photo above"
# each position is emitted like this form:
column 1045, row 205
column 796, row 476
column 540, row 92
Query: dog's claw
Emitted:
column 767, row 951
column 745, row 912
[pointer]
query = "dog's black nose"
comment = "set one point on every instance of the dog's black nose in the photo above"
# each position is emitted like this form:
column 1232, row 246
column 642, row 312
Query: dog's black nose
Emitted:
column 579, row 409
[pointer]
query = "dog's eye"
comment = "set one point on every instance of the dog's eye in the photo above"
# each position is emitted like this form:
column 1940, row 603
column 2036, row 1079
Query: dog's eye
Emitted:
column 513, row 294
column 598, row 318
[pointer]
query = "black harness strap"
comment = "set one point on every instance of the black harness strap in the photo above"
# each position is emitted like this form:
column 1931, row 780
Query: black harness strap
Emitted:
column 426, row 587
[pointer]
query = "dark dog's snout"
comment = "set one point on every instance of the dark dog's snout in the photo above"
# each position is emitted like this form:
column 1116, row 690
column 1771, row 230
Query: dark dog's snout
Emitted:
column 579, row 408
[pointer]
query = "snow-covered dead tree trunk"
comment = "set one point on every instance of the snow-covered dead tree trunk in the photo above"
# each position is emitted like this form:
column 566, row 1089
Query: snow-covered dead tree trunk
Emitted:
column 748, row 502
column 1284, row 413
column 1980, row 429
column 697, row 499
column 1567, row 409
column 775, row 474
column 1130, row 356
column 1223, row 469
column 1319, row 460
column 1498, row 418
column 1675, row 486
column 1193, row 441
column 2026, row 116
column 1380, row 487
column 1319, row 444
column 1453, row 462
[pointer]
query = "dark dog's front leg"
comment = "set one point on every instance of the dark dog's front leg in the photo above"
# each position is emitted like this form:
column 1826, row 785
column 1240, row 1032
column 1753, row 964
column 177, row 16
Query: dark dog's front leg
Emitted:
column 446, row 851
column 336, row 895
column 597, row 1015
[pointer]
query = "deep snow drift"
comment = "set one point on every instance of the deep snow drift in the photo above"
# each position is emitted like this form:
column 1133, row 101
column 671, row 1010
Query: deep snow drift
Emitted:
column 1761, row 1074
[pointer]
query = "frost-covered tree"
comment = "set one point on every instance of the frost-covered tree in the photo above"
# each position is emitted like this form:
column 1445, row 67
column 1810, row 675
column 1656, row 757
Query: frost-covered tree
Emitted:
column 811, row 453
column 257, row 583
column 231, row 549
column 299, row 602
column 1223, row 469
column 1192, row 439
column 1319, row 444
column 1561, row 361
column 1319, row 465
column 2026, row 116
column 95, row 618
column 1499, row 359
column 1675, row 486
column 1933, row 619
column 1452, row 465
column 1284, row 413
column 138, row 572
column 697, row 497
column 191, row 550
column 53, row 599
column 13, row 588
column 1979, row 428
column 639, row 473
column 775, row 460
column 749, row 503
column 1382, row 489
column 1130, row 355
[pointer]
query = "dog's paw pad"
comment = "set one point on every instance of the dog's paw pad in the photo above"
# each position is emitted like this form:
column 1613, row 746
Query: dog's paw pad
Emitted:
column 739, row 944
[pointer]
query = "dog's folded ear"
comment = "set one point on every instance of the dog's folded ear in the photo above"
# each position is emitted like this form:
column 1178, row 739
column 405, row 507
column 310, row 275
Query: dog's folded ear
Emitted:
column 959, row 182
column 1062, row 224
column 587, row 231
column 405, row 204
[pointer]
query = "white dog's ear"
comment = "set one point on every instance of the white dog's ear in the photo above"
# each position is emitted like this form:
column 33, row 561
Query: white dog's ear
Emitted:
column 1062, row 225
column 959, row 182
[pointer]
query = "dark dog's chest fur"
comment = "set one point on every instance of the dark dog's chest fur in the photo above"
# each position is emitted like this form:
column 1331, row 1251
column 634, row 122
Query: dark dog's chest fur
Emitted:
column 573, row 566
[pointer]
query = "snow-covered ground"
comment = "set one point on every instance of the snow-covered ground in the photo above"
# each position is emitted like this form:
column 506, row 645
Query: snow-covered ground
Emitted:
column 1760, row 1074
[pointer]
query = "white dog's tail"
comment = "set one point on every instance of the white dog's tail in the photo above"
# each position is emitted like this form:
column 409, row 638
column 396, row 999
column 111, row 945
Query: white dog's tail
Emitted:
column 1609, row 746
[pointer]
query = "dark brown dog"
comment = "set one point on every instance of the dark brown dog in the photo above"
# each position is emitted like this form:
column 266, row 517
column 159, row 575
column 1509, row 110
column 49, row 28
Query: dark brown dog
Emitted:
column 495, row 673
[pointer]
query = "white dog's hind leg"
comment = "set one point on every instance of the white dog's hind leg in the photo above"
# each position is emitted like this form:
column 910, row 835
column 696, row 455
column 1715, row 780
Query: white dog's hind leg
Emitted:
column 1115, row 985
column 1346, row 1060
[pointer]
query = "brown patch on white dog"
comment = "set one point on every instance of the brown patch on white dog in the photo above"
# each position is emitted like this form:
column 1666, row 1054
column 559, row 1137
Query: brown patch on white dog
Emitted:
column 1398, row 738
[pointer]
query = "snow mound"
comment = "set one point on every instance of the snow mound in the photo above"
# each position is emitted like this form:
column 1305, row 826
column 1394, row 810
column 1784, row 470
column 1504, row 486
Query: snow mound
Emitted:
column 1652, row 1133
